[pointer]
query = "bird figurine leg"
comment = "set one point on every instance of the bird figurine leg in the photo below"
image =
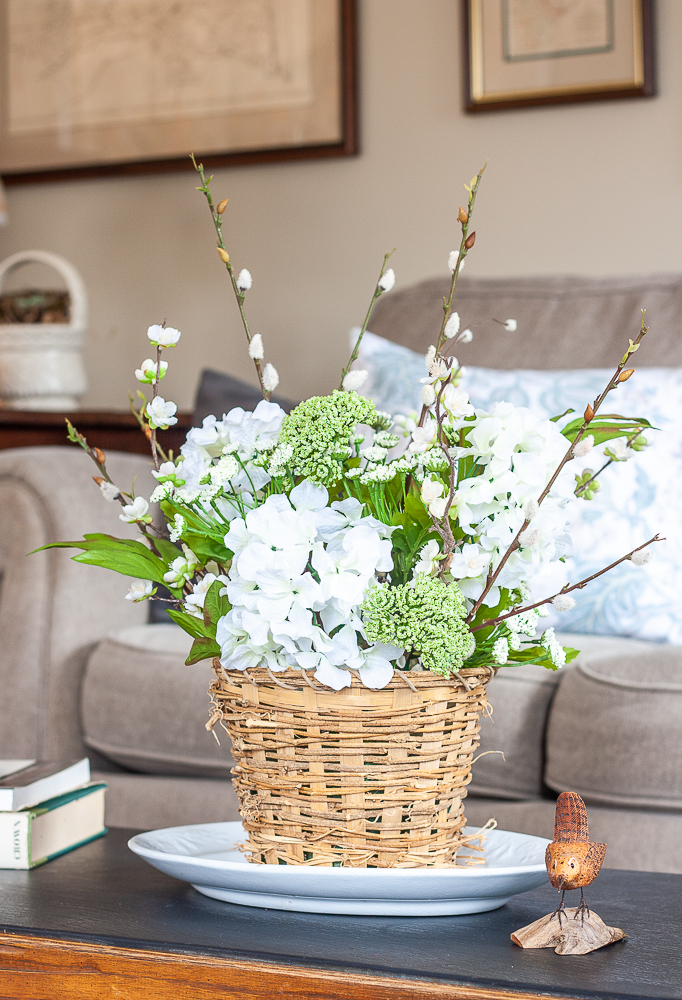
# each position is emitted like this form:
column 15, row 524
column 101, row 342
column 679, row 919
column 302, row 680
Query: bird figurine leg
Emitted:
column 582, row 909
column 560, row 910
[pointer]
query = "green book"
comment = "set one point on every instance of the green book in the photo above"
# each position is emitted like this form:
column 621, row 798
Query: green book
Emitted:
column 33, row 836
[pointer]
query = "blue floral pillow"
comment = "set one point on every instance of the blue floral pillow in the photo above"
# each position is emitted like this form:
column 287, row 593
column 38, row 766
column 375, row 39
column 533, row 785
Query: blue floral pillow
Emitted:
column 637, row 499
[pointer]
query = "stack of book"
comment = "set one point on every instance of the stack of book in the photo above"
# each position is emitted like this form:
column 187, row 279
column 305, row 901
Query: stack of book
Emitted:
column 46, row 809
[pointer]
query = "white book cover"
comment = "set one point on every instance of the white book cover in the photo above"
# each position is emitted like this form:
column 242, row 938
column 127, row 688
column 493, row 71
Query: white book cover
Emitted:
column 12, row 766
column 40, row 782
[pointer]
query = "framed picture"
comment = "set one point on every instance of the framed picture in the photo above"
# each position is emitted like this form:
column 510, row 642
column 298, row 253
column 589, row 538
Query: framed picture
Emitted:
column 96, row 87
column 525, row 52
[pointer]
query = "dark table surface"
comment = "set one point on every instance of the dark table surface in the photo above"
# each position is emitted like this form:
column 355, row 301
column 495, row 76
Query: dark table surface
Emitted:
column 103, row 893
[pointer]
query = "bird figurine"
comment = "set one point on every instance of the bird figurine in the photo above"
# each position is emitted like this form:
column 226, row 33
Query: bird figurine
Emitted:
column 572, row 861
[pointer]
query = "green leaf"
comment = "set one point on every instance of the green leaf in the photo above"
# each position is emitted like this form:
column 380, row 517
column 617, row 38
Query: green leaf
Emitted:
column 167, row 550
column 416, row 511
column 122, row 555
column 607, row 427
column 203, row 648
column 207, row 548
column 215, row 606
column 193, row 626
column 560, row 415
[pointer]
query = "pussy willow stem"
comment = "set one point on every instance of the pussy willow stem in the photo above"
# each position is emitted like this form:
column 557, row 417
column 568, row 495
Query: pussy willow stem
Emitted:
column 447, row 302
column 565, row 590
column 377, row 293
column 217, row 222
column 612, row 383
column 155, row 392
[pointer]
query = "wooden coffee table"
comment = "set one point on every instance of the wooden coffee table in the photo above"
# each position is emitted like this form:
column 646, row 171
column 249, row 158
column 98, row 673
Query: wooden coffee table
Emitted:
column 99, row 922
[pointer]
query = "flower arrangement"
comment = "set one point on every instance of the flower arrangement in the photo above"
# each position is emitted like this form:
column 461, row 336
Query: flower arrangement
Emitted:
column 336, row 540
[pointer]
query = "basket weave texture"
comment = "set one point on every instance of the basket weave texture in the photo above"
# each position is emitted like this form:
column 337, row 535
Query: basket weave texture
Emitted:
column 356, row 777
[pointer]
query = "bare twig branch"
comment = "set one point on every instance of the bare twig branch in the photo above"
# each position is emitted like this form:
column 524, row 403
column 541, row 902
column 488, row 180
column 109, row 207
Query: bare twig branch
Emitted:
column 566, row 589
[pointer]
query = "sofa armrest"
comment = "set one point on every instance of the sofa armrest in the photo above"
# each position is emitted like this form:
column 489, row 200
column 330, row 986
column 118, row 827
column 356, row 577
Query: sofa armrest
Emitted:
column 52, row 610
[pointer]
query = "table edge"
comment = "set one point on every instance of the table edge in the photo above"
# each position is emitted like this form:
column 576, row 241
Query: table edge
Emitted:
column 64, row 959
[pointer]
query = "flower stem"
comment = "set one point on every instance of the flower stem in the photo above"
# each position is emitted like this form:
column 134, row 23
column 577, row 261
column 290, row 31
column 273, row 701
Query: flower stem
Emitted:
column 377, row 292
column 217, row 222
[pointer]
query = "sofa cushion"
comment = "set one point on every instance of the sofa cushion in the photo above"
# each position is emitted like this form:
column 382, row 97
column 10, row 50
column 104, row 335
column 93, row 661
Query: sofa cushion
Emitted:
column 218, row 393
column 147, row 802
column 144, row 709
column 520, row 698
column 614, row 730
column 562, row 320
column 629, row 833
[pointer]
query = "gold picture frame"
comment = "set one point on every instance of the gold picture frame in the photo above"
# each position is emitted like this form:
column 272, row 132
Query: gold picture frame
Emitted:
column 134, row 86
column 520, row 53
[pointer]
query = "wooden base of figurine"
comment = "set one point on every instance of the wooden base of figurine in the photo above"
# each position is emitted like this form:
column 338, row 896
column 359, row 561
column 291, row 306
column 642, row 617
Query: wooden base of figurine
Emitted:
column 573, row 936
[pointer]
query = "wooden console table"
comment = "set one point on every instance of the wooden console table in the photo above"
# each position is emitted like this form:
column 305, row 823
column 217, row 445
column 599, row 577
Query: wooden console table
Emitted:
column 111, row 430
column 100, row 922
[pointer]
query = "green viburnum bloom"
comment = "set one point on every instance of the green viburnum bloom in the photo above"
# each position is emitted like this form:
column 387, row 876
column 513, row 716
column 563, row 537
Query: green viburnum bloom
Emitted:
column 426, row 616
column 318, row 432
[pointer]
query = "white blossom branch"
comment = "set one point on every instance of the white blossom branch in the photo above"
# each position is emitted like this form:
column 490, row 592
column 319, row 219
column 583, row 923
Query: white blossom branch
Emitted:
column 589, row 415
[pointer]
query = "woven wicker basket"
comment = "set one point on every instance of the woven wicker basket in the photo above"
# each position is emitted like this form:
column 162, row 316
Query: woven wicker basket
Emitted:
column 356, row 777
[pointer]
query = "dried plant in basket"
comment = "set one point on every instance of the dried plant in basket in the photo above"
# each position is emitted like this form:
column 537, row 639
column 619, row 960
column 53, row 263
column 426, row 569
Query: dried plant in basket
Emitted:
column 357, row 578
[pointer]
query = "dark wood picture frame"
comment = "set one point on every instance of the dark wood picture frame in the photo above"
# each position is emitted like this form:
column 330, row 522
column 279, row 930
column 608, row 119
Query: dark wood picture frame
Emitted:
column 348, row 145
column 474, row 103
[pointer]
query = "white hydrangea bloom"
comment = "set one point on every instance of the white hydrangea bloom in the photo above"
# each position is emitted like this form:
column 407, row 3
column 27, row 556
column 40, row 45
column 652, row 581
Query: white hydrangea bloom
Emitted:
column 297, row 562
column 240, row 432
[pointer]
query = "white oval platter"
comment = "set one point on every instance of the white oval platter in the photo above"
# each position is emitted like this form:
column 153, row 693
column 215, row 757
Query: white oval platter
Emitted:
column 206, row 856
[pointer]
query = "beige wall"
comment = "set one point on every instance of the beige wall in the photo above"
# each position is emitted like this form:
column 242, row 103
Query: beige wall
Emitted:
column 588, row 189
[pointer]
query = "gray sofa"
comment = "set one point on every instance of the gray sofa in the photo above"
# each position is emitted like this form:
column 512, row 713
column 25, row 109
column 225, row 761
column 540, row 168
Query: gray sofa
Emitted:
column 82, row 672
